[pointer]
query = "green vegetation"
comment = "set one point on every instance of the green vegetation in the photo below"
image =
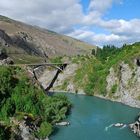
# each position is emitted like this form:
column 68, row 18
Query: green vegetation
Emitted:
column 26, row 59
column 19, row 56
column 64, row 85
column 6, row 19
column 19, row 98
column 56, row 60
column 93, row 70
column 114, row 88
column 106, row 52
column 44, row 130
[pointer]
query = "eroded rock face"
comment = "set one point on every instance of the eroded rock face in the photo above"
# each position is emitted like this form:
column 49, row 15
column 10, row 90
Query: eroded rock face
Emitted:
column 128, row 84
column 6, row 61
column 5, row 40
column 26, row 128
column 66, row 76
column 25, row 132
column 63, row 77
column 71, row 88
column 135, row 127
column 125, row 74
column 111, row 79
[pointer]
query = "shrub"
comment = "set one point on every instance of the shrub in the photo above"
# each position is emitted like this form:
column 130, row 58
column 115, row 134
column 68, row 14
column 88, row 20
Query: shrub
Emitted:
column 114, row 88
column 44, row 130
column 19, row 95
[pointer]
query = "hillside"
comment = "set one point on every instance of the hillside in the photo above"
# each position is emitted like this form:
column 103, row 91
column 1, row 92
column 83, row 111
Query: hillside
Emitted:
column 113, row 74
column 21, row 38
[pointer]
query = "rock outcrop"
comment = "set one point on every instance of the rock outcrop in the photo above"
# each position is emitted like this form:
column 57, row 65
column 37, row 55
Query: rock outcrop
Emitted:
column 127, row 81
column 4, row 59
column 62, row 124
column 135, row 127
column 5, row 40
column 7, row 61
column 25, row 128
column 62, row 77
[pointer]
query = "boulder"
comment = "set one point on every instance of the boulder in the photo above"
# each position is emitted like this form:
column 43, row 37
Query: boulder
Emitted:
column 63, row 123
column 135, row 127
column 7, row 61
column 118, row 124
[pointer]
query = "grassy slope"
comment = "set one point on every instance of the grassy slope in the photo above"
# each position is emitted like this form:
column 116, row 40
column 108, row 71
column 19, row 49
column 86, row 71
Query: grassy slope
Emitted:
column 19, row 56
column 93, row 72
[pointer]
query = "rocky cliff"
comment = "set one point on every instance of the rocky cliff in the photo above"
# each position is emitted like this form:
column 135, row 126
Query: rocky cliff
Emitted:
column 126, row 84
column 135, row 127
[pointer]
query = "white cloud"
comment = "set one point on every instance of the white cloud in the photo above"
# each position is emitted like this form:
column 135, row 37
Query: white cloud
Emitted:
column 62, row 16
column 100, row 5
column 128, row 27
column 55, row 15
column 101, row 39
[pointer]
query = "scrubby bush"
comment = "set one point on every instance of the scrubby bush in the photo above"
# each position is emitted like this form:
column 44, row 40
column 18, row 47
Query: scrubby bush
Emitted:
column 44, row 130
column 19, row 97
column 114, row 88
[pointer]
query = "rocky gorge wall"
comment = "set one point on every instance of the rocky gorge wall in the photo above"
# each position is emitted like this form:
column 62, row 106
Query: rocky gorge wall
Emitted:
column 123, row 83
column 126, row 84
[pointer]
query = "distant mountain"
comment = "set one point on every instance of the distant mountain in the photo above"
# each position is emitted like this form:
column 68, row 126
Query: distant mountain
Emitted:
column 20, row 39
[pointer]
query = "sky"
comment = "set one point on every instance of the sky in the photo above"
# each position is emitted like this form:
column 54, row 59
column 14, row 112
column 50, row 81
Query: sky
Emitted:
column 98, row 22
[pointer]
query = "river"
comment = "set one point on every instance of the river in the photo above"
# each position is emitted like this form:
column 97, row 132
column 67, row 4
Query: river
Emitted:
column 92, row 118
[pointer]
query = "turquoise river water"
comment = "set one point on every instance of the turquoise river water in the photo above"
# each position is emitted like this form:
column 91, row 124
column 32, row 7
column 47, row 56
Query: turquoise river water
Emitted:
column 91, row 118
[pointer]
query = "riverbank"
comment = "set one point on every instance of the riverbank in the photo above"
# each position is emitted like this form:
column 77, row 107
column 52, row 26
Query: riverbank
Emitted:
column 130, row 103
column 97, row 95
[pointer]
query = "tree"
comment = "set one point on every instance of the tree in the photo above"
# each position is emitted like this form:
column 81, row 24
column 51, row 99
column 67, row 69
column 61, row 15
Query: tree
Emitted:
column 93, row 52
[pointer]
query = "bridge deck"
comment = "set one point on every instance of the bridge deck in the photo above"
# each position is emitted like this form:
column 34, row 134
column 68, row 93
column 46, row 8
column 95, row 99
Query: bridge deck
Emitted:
column 37, row 64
